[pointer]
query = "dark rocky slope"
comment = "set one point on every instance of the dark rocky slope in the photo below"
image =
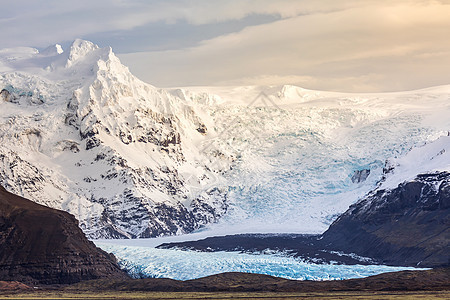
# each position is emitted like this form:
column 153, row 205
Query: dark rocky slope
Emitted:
column 406, row 226
column 41, row 245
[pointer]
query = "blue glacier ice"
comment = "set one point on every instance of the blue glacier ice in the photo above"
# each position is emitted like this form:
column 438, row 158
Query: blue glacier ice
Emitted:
column 143, row 262
column 294, row 166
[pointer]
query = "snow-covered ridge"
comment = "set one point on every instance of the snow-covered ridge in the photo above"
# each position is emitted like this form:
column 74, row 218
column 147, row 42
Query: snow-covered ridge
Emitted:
column 431, row 158
column 79, row 132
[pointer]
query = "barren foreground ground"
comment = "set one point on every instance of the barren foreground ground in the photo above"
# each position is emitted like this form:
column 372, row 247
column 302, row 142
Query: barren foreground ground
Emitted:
column 227, row 295
column 426, row 284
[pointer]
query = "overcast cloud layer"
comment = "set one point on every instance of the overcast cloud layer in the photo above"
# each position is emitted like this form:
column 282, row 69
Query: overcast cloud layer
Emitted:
column 349, row 45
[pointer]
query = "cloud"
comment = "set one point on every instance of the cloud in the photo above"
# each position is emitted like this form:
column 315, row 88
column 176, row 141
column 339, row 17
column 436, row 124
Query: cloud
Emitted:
column 342, row 45
column 38, row 23
column 401, row 45
column 29, row 22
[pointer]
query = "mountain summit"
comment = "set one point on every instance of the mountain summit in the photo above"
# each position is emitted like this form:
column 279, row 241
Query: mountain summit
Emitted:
column 80, row 133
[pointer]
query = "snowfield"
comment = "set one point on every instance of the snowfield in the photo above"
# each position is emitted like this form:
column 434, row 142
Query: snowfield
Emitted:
column 80, row 133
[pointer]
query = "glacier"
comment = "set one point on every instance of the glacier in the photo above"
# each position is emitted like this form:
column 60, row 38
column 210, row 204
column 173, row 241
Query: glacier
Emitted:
column 297, row 149
column 80, row 133
column 144, row 262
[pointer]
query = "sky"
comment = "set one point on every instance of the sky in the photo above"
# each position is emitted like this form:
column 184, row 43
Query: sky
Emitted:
column 345, row 45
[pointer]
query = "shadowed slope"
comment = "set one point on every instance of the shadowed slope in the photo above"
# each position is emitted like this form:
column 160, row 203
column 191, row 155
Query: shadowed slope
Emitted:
column 44, row 245
column 406, row 226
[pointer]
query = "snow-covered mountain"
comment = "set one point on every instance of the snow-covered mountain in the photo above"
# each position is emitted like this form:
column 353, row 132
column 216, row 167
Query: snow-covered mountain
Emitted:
column 79, row 132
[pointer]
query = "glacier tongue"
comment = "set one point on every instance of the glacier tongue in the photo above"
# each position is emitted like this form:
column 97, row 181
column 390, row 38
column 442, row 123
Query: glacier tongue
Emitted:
column 79, row 132
column 141, row 262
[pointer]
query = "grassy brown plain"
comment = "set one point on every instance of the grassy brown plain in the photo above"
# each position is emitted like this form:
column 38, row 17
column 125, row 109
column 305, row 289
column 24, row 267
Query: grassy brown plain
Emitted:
column 428, row 284
column 231, row 295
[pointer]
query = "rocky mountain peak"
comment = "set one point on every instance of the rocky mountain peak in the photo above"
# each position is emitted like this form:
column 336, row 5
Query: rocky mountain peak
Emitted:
column 122, row 151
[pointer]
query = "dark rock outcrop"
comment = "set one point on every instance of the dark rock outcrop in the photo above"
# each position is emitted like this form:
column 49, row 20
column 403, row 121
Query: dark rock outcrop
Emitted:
column 408, row 225
column 5, row 95
column 40, row 245
column 360, row 175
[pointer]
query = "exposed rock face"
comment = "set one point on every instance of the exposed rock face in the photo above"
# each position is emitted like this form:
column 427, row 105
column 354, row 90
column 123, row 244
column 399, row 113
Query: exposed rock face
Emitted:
column 5, row 95
column 408, row 225
column 360, row 175
column 40, row 245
